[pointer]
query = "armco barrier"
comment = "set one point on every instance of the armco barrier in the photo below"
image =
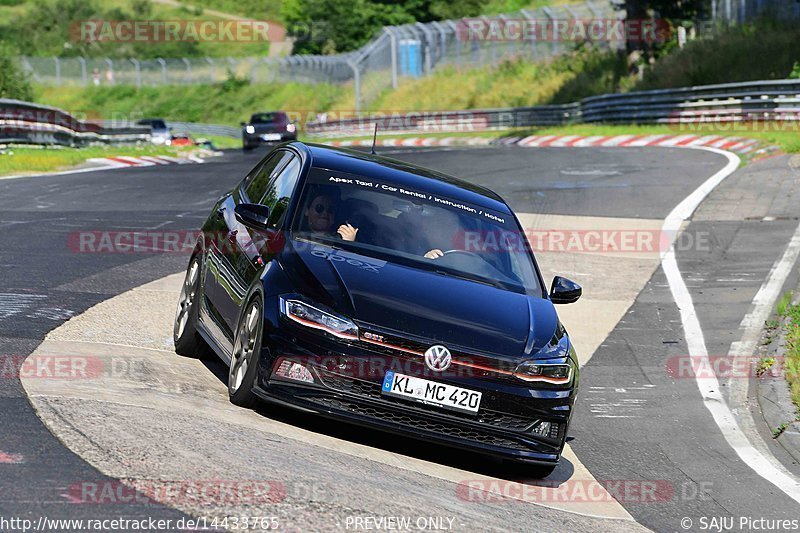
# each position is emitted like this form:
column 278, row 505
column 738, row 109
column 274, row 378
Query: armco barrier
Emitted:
column 731, row 102
column 27, row 123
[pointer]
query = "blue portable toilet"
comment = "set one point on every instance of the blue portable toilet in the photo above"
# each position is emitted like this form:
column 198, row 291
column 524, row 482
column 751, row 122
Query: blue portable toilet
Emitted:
column 411, row 58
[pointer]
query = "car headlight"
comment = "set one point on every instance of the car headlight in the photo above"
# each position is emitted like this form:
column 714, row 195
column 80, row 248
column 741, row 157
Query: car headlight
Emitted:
column 249, row 129
column 313, row 317
column 559, row 374
column 291, row 128
column 553, row 363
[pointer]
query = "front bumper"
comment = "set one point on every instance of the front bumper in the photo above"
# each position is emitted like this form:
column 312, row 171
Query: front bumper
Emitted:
column 503, row 427
column 255, row 139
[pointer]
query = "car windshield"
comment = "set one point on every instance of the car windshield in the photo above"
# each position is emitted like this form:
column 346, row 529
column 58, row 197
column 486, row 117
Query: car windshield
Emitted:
column 417, row 227
column 263, row 118
column 155, row 124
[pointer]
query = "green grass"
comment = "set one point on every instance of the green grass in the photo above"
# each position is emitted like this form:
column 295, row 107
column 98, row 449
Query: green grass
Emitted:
column 792, row 362
column 496, row 7
column 204, row 48
column 513, row 82
column 728, row 57
column 762, row 50
column 25, row 10
column 221, row 142
column 22, row 160
column 784, row 303
column 256, row 9
column 228, row 102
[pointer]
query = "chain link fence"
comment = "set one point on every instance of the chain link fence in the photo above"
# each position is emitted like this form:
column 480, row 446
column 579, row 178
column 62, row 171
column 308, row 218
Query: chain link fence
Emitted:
column 738, row 11
column 79, row 71
column 412, row 50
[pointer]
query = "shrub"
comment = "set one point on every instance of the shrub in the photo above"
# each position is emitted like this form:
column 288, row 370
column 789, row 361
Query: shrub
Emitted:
column 13, row 81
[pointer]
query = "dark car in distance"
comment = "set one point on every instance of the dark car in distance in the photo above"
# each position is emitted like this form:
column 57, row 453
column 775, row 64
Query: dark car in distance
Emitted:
column 159, row 131
column 384, row 294
column 268, row 127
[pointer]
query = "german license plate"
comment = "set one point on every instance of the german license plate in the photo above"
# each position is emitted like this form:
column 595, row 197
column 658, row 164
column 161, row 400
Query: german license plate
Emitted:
column 271, row 136
column 431, row 392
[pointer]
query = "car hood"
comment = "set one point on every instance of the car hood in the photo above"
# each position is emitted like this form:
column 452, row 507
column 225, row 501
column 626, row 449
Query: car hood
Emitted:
column 435, row 307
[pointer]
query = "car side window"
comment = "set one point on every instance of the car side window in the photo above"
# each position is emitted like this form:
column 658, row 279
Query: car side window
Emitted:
column 256, row 186
column 279, row 191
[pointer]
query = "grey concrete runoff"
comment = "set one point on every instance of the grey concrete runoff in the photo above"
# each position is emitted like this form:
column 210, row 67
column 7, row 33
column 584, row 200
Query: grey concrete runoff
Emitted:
column 133, row 417
column 664, row 436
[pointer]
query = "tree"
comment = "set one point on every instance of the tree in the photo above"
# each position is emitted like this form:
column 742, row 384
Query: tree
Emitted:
column 13, row 81
column 668, row 10
column 329, row 26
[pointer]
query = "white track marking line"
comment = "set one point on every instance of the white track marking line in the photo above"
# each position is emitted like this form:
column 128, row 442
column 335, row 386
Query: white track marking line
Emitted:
column 763, row 303
column 64, row 172
column 695, row 340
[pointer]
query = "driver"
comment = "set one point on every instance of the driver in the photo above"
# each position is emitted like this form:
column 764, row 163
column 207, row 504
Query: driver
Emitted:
column 320, row 219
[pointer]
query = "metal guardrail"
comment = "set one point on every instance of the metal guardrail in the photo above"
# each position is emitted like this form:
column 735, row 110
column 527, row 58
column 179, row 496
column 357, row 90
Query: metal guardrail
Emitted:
column 757, row 101
column 732, row 102
column 188, row 128
column 27, row 123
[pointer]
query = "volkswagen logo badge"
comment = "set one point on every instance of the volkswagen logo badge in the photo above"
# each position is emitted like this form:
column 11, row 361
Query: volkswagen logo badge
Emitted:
column 438, row 358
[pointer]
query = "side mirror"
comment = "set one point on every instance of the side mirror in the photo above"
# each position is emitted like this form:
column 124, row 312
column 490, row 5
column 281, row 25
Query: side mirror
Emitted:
column 564, row 291
column 253, row 216
column 243, row 124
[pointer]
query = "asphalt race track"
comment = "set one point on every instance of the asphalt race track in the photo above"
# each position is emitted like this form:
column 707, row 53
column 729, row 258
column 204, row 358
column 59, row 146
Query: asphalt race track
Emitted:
column 635, row 419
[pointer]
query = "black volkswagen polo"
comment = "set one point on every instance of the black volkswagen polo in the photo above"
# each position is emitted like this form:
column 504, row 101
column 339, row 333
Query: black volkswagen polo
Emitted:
column 375, row 291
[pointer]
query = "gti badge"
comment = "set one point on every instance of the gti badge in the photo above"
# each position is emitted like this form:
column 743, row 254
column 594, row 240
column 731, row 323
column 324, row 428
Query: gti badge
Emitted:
column 438, row 358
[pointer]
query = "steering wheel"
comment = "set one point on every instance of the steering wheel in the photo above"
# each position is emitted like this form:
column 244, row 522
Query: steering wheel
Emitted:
column 465, row 252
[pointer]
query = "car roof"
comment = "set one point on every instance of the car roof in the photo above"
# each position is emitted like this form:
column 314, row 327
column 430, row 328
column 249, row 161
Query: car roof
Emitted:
column 150, row 121
column 402, row 173
column 273, row 113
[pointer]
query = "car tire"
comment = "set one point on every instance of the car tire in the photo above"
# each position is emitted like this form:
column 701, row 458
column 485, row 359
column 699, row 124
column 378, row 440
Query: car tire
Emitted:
column 246, row 148
column 246, row 350
column 188, row 341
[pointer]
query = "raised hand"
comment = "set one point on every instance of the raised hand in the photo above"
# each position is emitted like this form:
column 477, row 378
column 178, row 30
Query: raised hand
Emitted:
column 347, row 232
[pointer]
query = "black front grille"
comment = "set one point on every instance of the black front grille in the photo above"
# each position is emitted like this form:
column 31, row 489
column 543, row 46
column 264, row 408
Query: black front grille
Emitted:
column 373, row 391
column 413, row 422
